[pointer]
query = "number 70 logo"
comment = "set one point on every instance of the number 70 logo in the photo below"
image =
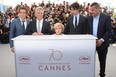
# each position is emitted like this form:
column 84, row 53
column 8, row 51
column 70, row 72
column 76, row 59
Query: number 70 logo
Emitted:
column 55, row 54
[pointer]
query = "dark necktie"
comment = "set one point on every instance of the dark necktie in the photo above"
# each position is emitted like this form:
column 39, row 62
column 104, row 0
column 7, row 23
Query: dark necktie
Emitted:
column 9, row 24
column 23, row 26
column 75, row 21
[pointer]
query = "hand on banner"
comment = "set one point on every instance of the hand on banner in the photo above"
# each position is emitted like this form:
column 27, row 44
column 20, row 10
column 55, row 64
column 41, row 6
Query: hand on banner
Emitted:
column 36, row 34
column 40, row 33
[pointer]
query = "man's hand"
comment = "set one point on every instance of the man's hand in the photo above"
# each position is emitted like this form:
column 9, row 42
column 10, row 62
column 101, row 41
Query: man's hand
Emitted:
column 40, row 33
column 99, row 42
column 36, row 34
column 1, row 31
column 12, row 49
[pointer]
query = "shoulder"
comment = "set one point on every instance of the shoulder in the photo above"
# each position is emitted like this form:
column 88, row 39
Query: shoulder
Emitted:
column 83, row 17
column 28, row 20
column 70, row 17
column 45, row 22
column 15, row 20
column 33, row 21
column 102, row 15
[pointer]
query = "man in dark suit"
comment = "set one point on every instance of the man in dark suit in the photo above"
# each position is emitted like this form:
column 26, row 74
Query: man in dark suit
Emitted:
column 99, row 25
column 19, row 26
column 76, row 24
column 39, row 26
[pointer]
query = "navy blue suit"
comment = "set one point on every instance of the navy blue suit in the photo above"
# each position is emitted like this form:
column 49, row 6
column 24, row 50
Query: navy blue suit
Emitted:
column 104, row 30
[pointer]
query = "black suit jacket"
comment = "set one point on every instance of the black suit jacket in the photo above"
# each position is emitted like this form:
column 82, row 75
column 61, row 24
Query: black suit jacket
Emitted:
column 79, row 29
column 46, row 29
column 104, row 28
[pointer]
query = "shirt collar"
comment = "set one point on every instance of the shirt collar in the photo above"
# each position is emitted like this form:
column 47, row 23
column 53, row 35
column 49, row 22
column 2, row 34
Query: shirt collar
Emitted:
column 96, row 16
column 22, row 20
column 76, row 15
column 40, row 20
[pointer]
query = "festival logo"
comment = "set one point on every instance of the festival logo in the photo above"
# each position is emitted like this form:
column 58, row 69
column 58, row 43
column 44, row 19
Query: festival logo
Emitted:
column 24, row 60
column 54, row 62
column 55, row 55
column 85, row 59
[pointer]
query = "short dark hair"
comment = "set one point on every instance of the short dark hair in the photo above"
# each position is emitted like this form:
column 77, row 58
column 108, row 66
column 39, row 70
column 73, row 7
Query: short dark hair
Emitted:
column 95, row 4
column 23, row 8
column 75, row 6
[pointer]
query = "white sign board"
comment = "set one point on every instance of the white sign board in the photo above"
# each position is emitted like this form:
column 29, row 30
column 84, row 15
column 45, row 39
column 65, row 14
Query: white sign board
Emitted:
column 50, row 56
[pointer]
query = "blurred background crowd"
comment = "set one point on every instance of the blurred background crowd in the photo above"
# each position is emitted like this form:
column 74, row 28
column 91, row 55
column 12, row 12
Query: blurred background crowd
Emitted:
column 53, row 13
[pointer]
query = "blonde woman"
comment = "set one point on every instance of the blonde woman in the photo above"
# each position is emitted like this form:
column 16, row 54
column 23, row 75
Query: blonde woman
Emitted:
column 58, row 29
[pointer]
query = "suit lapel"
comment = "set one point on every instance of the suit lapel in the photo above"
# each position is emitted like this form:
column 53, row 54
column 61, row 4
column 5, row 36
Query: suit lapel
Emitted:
column 80, row 18
column 91, row 24
column 27, row 21
column 35, row 25
column 43, row 25
column 99, row 26
column 19, row 21
column 72, row 22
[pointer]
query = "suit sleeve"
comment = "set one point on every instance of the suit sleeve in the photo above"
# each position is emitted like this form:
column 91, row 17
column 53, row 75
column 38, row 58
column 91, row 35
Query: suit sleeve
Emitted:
column 108, row 28
column 49, row 29
column 12, row 33
column 66, row 29
column 29, row 29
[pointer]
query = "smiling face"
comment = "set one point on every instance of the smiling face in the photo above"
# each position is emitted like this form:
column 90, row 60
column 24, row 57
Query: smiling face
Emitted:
column 39, row 13
column 58, row 28
column 22, row 14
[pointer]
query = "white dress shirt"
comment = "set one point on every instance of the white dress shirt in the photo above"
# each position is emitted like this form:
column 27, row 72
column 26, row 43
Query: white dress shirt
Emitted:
column 77, row 20
column 95, row 25
column 40, row 24
column 25, row 23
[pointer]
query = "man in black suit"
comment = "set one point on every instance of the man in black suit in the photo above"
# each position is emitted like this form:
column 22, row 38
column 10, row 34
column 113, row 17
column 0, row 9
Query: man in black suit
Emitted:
column 76, row 24
column 39, row 26
column 99, row 25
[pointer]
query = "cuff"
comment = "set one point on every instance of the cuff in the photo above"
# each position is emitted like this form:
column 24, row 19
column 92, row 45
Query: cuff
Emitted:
column 102, row 39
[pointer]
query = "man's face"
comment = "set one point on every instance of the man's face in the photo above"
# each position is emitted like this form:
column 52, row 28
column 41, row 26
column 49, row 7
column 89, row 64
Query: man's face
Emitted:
column 74, row 11
column 39, row 14
column 94, row 11
column 22, row 14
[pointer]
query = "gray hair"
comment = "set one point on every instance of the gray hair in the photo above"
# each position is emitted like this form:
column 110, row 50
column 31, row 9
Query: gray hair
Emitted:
column 39, row 8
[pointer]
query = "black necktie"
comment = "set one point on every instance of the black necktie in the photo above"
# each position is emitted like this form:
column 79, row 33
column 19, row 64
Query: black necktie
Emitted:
column 75, row 21
column 23, row 26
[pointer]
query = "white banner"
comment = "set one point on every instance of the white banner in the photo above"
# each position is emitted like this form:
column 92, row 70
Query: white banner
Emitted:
column 55, row 57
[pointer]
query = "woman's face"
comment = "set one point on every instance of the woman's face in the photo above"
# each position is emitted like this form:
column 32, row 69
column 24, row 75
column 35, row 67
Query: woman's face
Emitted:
column 58, row 30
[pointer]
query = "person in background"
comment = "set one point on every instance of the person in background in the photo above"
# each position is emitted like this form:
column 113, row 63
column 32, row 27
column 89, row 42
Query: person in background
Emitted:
column 4, row 33
column 19, row 26
column 58, row 28
column 39, row 26
column 76, row 24
column 99, row 25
